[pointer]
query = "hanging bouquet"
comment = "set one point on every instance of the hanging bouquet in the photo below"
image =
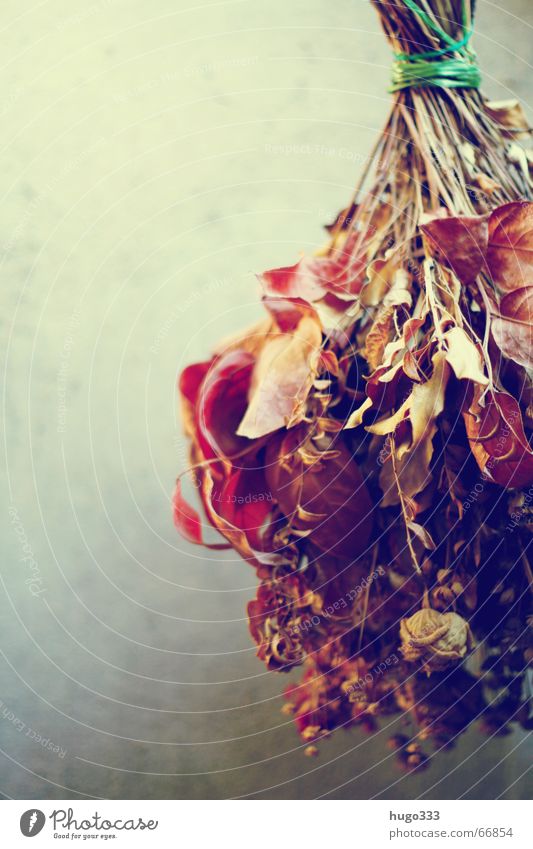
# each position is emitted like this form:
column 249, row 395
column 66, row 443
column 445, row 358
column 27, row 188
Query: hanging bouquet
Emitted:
column 367, row 447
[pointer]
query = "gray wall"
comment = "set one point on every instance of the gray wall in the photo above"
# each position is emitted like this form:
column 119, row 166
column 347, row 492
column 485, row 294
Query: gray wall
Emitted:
column 148, row 169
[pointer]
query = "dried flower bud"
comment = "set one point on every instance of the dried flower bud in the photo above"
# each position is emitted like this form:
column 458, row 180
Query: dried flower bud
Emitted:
column 437, row 639
column 311, row 732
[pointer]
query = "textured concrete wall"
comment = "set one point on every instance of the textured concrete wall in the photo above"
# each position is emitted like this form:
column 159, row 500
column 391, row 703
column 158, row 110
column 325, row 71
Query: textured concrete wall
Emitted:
column 153, row 157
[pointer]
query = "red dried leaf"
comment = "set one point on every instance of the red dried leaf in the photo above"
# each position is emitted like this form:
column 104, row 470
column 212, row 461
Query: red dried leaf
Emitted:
column 498, row 442
column 302, row 280
column 341, row 274
column 288, row 312
column 189, row 384
column 246, row 524
column 512, row 328
column 329, row 363
column 510, row 248
column 459, row 243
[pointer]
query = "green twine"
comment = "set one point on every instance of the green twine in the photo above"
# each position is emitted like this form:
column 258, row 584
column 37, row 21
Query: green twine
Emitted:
column 419, row 70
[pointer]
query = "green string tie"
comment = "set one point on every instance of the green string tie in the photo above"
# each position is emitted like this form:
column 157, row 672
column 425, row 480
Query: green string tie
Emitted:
column 419, row 70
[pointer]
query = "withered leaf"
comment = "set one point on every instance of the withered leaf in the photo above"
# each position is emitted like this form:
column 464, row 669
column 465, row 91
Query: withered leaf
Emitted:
column 459, row 243
column 509, row 115
column 512, row 327
column 378, row 336
column 413, row 458
column 356, row 418
column 498, row 442
column 282, row 378
column 464, row 357
column 340, row 273
column 423, row 535
column 220, row 403
column 510, row 245
column 243, row 502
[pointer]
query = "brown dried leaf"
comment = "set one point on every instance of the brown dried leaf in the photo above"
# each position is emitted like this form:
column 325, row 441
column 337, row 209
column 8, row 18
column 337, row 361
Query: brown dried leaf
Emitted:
column 509, row 116
column 498, row 442
column 512, row 328
column 423, row 535
column 378, row 336
column 510, row 245
column 380, row 275
column 327, row 498
column 282, row 378
column 425, row 404
column 459, row 243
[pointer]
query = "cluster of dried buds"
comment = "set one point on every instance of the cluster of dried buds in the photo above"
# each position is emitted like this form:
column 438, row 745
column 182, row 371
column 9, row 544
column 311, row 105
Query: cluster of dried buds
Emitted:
column 367, row 446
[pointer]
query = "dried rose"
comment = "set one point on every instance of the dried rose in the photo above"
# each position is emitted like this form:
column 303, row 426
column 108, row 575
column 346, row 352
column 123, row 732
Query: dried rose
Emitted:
column 438, row 639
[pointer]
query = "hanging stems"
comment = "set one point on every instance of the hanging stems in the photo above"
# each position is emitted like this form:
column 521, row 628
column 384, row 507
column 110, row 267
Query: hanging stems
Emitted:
column 440, row 147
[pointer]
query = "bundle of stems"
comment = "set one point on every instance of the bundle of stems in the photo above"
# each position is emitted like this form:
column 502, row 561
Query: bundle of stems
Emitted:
column 441, row 147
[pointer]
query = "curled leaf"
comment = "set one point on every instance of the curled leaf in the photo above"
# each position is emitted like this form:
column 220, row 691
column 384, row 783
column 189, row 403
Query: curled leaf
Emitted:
column 282, row 378
column 464, row 357
column 498, row 442
column 245, row 502
column 510, row 117
column 378, row 336
column 510, row 245
column 356, row 418
column 412, row 456
column 186, row 519
column 459, row 243
column 512, row 327
column 340, row 273
column 423, row 535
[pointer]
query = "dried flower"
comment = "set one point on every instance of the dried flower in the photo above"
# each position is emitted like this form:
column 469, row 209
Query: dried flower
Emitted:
column 382, row 413
column 437, row 639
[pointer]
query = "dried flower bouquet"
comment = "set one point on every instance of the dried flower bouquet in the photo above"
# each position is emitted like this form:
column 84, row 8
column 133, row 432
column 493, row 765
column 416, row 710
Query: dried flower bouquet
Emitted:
column 367, row 446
